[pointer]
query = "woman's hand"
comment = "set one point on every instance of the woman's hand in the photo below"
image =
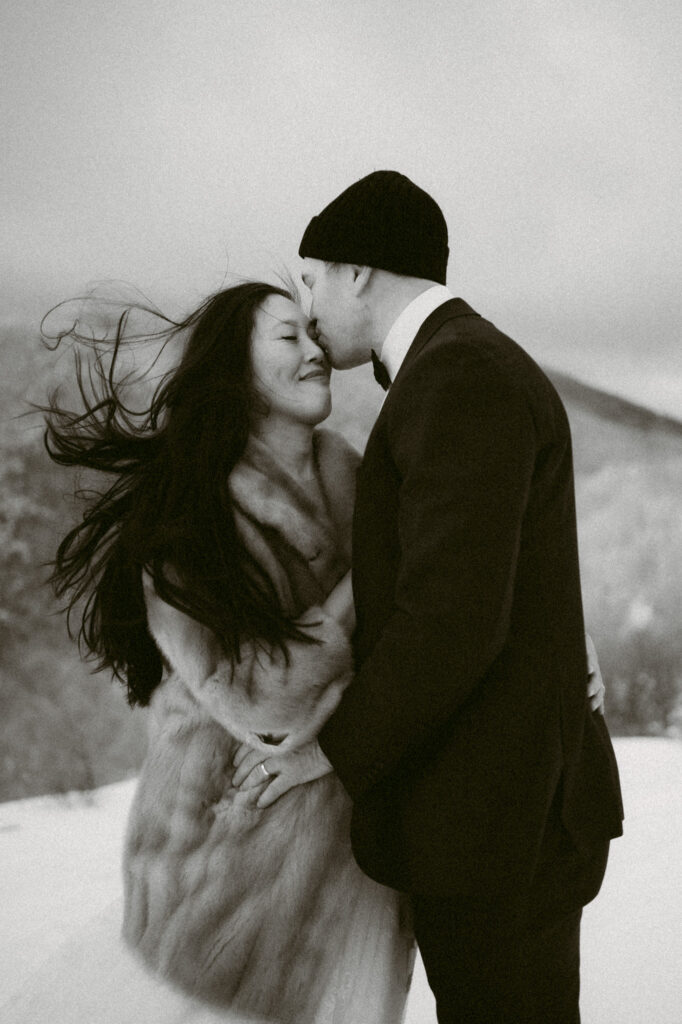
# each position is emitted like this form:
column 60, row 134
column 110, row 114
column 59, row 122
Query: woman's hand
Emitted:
column 595, row 684
column 280, row 773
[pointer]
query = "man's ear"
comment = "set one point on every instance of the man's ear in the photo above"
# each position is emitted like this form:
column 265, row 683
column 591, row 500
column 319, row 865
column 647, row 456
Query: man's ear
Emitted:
column 361, row 277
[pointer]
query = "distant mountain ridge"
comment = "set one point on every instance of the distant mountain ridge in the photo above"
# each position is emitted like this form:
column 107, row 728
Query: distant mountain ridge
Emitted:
column 605, row 427
column 610, row 406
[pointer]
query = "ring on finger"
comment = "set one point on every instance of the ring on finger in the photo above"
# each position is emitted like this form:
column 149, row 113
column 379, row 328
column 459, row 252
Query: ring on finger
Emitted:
column 268, row 775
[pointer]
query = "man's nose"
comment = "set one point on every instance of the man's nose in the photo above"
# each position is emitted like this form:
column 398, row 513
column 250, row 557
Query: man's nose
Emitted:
column 313, row 332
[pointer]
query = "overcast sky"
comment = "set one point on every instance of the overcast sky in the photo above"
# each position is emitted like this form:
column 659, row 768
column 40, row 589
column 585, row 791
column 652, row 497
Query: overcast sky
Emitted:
column 167, row 143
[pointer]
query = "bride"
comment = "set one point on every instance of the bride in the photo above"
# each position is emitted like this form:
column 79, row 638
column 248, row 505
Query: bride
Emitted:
column 216, row 572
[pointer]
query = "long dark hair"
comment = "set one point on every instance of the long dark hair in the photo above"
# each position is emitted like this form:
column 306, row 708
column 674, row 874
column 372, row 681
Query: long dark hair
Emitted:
column 168, row 509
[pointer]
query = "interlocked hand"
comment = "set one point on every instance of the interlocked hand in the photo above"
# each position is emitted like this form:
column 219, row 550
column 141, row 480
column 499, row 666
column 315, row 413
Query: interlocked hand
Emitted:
column 278, row 773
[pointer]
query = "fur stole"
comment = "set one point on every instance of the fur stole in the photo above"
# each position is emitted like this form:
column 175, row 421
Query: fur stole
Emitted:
column 304, row 546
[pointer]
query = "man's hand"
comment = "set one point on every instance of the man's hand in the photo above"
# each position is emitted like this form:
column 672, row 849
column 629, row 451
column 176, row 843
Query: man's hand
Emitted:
column 595, row 684
column 285, row 771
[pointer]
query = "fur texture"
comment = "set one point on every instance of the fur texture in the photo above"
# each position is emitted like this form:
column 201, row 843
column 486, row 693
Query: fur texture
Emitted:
column 264, row 911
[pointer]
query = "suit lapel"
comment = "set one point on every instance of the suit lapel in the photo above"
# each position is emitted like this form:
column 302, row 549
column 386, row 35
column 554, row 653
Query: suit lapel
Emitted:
column 450, row 310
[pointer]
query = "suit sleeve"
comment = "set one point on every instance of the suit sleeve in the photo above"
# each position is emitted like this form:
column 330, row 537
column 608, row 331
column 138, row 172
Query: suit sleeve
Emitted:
column 463, row 442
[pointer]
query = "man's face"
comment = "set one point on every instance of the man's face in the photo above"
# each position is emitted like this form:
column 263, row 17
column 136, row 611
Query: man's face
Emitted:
column 336, row 311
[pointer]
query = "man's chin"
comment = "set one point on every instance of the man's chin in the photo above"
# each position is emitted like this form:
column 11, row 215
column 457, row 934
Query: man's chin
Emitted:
column 347, row 361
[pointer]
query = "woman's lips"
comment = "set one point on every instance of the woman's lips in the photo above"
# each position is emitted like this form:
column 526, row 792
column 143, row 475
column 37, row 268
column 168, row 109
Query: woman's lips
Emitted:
column 316, row 375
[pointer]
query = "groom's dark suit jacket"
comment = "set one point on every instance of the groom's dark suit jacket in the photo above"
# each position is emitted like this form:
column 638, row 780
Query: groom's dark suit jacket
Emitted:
column 468, row 718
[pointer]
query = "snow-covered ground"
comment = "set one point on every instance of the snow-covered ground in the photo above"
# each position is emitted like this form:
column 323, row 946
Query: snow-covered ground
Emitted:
column 59, row 866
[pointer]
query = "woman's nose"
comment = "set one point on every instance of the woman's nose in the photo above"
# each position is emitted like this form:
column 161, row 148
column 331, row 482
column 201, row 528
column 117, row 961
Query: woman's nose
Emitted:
column 314, row 352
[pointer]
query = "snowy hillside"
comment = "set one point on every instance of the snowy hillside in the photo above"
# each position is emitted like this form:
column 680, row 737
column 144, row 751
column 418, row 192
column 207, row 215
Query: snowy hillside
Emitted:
column 59, row 863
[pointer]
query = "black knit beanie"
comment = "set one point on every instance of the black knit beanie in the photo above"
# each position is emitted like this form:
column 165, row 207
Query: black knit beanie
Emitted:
column 384, row 221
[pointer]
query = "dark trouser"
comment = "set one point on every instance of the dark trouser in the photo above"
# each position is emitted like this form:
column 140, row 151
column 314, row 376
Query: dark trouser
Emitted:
column 483, row 974
column 486, row 968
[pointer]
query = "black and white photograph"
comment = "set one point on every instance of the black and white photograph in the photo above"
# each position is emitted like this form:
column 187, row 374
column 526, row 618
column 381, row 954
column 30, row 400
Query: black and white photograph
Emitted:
column 341, row 545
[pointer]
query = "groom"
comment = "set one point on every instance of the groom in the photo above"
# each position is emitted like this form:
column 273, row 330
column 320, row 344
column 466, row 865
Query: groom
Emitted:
column 482, row 783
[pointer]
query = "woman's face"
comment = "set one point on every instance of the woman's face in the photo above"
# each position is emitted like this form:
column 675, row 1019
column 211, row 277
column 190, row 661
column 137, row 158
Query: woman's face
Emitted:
column 290, row 370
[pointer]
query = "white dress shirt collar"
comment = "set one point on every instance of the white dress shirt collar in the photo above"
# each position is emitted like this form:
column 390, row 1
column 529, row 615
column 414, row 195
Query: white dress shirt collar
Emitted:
column 405, row 328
